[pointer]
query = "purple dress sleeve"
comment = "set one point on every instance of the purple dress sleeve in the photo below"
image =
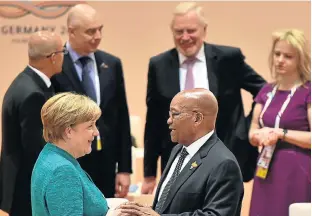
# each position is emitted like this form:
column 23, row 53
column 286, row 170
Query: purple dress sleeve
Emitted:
column 262, row 96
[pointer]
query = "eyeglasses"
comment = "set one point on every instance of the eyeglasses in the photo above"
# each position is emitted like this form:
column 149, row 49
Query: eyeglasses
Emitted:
column 175, row 114
column 64, row 51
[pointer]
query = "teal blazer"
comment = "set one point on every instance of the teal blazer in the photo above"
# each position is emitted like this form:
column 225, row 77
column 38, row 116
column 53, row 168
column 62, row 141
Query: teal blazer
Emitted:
column 59, row 186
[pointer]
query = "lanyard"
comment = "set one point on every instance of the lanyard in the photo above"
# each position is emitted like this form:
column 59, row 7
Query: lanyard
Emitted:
column 267, row 152
column 281, row 111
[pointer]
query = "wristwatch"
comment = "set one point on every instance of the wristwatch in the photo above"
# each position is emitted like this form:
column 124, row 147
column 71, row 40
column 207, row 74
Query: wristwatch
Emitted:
column 285, row 131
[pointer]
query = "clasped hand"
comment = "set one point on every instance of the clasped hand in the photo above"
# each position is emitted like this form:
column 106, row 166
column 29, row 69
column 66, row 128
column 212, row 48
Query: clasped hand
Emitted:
column 132, row 209
column 266, row 136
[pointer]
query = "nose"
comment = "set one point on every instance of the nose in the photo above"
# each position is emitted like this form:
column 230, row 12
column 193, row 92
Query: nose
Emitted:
column 169, row 121
column 280, row 58
column 95, row 131
column 185, row 36
column 97, row 35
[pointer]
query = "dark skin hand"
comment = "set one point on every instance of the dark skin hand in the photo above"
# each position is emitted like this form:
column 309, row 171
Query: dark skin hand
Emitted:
column 136, row 209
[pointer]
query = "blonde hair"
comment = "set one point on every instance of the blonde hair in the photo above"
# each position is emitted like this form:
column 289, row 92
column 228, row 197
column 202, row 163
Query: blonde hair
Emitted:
column 186, row 7
column 298, row 41
column 65, row 110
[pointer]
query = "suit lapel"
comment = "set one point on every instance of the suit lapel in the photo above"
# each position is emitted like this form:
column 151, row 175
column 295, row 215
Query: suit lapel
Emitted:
column 105, row 77
column 165, row 173
column 173, row 79
column 70, row 70
column 188, row 171
column 211, row 61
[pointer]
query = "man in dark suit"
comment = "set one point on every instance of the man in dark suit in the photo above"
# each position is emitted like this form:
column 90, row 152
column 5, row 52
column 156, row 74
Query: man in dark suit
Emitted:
column 194, row 63
column 22, row 138
column 99, row 75
column 202, row 176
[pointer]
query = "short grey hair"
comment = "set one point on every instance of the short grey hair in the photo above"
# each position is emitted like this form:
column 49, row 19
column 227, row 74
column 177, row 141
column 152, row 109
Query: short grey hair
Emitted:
column 186, row 7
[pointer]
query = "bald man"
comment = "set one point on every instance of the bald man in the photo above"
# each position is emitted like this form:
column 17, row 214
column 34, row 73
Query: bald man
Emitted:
column 99, row 75
column 21, row 123
column 202, row 176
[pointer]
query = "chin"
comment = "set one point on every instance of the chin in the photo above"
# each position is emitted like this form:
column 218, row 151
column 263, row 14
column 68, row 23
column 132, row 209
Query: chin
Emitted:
column 190, row 52
column 88, row 151
column 174, row 140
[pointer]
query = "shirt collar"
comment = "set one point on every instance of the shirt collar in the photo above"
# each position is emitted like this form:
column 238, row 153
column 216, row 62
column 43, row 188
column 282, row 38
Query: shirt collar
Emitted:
column 44, row 77
column 200, row 56
column 74, row 55
column 195, row 146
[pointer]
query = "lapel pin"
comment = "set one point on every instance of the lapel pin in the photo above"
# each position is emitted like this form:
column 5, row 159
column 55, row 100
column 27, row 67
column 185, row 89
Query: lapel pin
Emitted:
column 194, row 165
column 103, row 65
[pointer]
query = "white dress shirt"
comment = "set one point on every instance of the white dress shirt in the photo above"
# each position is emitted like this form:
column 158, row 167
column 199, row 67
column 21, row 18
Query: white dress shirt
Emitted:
column 191, row 150
column 200, row 71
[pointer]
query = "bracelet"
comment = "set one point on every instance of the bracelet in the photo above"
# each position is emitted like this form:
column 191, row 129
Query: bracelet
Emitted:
column 285, row 131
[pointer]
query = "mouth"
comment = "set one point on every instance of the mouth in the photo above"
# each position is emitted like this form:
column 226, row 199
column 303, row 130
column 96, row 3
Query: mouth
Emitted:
column 187, row 45
column 280, row 67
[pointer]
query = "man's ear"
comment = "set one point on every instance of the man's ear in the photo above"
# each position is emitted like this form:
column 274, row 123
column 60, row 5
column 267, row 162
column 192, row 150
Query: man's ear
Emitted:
column 199, row 117
column 70, row 31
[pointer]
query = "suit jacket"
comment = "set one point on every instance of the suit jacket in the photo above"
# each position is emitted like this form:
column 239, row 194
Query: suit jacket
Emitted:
column 114, row 125
column 215, row 187
column 22, row 140
column 227, row 75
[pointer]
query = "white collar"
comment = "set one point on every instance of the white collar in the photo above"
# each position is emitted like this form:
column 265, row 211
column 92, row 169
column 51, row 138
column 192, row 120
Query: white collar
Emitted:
column 44, row 77
column 74, row 55
column 195, row 146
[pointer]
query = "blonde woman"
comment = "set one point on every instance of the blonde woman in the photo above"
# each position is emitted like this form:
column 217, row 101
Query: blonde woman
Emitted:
column 281, row 125
column 59, row 186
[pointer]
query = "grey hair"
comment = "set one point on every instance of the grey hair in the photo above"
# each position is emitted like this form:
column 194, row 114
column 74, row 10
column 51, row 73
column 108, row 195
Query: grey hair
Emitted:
column 186, row 7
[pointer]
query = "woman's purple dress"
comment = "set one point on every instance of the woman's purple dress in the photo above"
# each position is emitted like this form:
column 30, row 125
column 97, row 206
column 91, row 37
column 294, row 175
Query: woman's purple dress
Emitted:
column 289, row 177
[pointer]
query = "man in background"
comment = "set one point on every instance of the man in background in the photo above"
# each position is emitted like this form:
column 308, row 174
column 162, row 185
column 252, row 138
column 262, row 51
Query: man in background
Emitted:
column 99, row 75
column 194, row 63
column 22, row 138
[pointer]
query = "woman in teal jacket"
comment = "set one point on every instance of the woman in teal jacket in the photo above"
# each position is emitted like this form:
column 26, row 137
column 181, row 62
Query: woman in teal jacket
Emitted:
column 59, row 186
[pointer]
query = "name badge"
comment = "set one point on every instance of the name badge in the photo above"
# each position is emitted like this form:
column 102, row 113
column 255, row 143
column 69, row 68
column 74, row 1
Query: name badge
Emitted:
column 264, row 161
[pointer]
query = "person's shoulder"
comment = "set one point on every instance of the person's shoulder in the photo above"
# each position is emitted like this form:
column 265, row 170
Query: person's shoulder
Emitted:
column 53, row 161
column 307, row 86
column 106, row 55
column 221, row 153
column 224, row 49
column 164, row 55
column 268, row 87
column 22, row 87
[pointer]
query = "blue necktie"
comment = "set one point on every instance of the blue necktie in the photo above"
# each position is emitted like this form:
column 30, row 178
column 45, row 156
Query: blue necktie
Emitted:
column 86, row 81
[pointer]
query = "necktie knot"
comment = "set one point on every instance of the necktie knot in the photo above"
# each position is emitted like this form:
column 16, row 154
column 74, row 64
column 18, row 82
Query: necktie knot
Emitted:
column 183, row 153
column 190, row 61
column 84, row 60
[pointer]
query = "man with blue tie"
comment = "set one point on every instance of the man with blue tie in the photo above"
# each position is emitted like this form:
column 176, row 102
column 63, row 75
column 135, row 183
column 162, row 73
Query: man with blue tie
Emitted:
column 99, row 75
